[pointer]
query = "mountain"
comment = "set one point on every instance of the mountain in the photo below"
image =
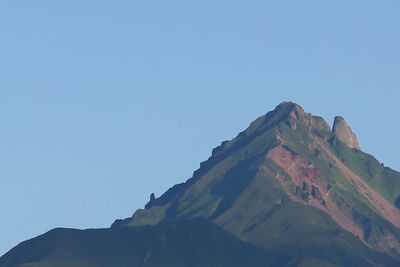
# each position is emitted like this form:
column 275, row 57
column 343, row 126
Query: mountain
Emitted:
column 287, row 191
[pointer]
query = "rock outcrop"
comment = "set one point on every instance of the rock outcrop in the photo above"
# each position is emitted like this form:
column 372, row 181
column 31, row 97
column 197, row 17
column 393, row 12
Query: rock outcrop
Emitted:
column 343, row 132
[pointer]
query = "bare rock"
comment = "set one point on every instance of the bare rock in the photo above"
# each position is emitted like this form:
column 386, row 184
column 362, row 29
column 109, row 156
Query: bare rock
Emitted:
column 343, row 132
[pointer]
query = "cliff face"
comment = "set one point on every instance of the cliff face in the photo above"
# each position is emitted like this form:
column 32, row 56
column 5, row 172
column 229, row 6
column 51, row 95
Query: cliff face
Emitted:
column 343, row 132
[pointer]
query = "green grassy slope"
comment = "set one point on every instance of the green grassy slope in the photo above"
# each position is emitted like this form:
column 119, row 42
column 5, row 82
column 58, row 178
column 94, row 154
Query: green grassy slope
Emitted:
column 383, row 179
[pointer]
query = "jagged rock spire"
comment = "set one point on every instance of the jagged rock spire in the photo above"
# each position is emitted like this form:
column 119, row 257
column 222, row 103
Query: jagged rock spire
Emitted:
column 343, row 132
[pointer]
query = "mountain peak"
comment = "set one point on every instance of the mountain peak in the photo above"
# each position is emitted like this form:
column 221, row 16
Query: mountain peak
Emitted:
column 343, row 132
column 288, row 105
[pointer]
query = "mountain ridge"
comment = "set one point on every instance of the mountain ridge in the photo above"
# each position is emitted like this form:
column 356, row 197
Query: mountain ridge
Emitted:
column 282, row 127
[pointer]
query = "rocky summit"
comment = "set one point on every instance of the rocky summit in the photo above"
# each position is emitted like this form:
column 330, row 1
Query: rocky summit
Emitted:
column 287, row 191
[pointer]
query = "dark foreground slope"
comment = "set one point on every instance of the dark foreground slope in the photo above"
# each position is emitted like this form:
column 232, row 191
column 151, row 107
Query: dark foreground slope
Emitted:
column 194, row 243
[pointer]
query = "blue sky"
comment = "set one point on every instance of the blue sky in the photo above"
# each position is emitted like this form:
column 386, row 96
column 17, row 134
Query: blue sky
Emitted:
column 105, row 102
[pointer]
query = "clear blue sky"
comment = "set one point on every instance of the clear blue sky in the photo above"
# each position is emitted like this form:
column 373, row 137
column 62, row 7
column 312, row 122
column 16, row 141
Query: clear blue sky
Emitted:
column 105, row 102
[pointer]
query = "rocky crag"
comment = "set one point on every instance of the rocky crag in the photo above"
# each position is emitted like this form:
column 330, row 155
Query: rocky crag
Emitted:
column 344, row 133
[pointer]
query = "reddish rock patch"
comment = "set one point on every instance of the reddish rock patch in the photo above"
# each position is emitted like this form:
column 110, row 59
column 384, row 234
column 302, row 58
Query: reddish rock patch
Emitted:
column 312, row 188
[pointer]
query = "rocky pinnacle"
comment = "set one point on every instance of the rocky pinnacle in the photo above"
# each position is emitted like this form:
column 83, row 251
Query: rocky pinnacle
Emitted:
column 344, row 133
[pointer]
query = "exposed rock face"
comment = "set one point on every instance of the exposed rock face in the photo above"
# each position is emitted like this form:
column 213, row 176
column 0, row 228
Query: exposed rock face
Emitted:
column 343, row 132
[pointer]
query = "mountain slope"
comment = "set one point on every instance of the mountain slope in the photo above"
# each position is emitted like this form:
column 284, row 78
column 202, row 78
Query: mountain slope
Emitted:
column 282, row 183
